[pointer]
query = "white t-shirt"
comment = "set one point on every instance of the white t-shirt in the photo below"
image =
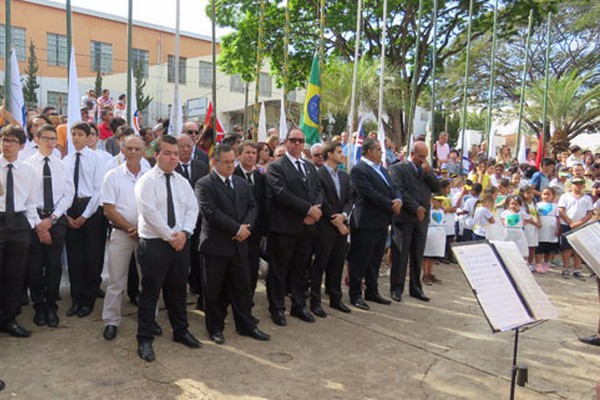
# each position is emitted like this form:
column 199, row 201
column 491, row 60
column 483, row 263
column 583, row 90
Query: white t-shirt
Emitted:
column 575, row 208
column 481, row 220
column 547, row 213
column 469, row 207
column 436, row 217
column 514, row 219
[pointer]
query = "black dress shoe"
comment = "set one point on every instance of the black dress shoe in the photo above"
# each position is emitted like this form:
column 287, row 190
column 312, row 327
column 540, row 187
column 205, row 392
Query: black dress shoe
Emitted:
column 110, row 332
column 187, row 339
column 318, row 311
column 135, row 300
column 40, row 317
column 218, row 338
column 84, row 311
column 2, row 385
column 397, row 296
column 146, row 352
column 257, row 334
column 420, row 296
column 279, row 318
column 360, row 303
column 594, row 340
column 52, row 318
column 303, row 314
column 378, row 298
column 156, row 329
column 14, row 329
column 74, row 310
column 340, row 307
column 100, row 294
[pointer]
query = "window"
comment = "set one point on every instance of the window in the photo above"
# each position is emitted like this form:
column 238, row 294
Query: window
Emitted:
column 57, row 100
column 264, row 85
column 139, row 59
column 236, row 85
column 18, row 40
column 101, row 56
column 205, row 74
column 171, row 69
column 57, row 50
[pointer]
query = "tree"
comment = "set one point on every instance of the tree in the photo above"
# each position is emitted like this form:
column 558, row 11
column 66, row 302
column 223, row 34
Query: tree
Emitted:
column 31, row 84
column 98, row 84
column 143, row 101
column 238, row 54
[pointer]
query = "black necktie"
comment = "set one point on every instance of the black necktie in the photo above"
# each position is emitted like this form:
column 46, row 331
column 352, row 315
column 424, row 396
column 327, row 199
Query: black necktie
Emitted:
column 10, row 197
column 249, row 178
column 186, row 172
column 228, row 184
column 48, row 197
column 170, row 205
column 300, row 170
column 76, row 173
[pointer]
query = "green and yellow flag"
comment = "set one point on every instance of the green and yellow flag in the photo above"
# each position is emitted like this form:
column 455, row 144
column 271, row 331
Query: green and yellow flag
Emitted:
column 310, row 119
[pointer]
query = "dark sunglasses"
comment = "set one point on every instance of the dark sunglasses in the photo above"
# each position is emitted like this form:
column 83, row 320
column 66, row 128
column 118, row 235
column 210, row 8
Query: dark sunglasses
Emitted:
column 190, row 132
column 296, row 140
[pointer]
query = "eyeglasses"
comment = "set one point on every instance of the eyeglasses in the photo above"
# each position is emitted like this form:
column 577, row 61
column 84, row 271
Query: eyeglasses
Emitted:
column 190, row 132
column 53, row 114
column 10, row 141
column 297, row 140
column 48, row 139
column 318, row 155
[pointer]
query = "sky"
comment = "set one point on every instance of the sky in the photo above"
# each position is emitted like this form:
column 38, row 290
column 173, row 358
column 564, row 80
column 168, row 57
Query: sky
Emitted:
column 193, row 14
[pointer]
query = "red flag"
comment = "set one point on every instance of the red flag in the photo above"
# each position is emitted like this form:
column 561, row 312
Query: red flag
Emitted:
column 208, row 123
column 540, row 151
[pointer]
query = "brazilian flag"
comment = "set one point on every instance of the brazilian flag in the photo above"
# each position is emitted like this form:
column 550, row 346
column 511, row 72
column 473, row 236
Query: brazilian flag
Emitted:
column 309, row 120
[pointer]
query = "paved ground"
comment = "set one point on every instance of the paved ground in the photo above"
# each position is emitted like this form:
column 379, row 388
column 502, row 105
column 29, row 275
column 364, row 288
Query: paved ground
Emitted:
column 413, row 350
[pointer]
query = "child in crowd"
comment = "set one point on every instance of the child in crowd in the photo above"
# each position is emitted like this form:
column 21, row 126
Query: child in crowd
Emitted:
column 514, row 220
column 483, row 216
column 575, row 209
column 549, row 230
column 467, row 211
column 531, row 228
column 449, row 218
column 435, row 245
column 515, row 181
column 503, row 192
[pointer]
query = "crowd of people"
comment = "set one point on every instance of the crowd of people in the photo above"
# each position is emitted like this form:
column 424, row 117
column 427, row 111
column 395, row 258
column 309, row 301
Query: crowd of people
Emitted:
column 183, row 213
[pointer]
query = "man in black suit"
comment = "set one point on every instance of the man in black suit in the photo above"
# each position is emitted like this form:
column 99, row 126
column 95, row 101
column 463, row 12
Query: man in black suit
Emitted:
column 229, row 214
column 192, row 170
column 377, row 200
column 416, row 182
column 248, row 153
column 295, row 208
column 332, row 231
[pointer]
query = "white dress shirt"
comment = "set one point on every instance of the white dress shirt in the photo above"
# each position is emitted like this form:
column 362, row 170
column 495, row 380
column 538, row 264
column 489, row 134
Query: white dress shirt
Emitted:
column 91, row 174
column 120, row 159
column 118, row 190
column 63, row 190
column 23, row 189
column 151, row 200
column 31, row 148
column 294, row 162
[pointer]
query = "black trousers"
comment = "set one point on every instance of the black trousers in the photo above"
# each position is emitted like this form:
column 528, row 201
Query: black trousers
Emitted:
column 162, row 268
column 44, row 267
column 366, row 251
column 133, row 279
column 14, row 243
column 226, row 280
column 196, row 275
column 288, row 255
column 254, row 250
column 85, row 258
column 330, row 253
column 411, row 237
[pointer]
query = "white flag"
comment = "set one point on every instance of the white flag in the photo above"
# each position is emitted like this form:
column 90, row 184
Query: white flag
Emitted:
column 176, row 118
column 73, row 99
column 381, row 139
column 283, row 129
column 262, row 124
column 522, row 156
column 492, row 143
column 17, row 103
column 135, row 116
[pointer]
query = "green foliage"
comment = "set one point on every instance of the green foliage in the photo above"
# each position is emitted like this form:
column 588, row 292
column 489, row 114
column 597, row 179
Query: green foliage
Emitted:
column 143, row 101
column 31, row 84
column 98, row 84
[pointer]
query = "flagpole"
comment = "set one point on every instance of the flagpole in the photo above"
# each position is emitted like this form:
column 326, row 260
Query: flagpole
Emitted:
column 415, row 75
column 214, row 70
column 524, row 81
column 321, row 56
column 7, row 41
column 382, row 67
column 546, row 84
column 466, row 85
column 286, row 55
column 433, row 76
column 261, row 31
column 492, row 76
column 129, row 61
column 176, row 128
column 354, row 79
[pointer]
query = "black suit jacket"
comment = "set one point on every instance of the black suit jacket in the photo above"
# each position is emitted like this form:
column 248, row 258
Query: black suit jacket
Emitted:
column 200, row 155
column 416, row 188
column 291, row 196
column 332, row 204
column 373, row 207
column 199, row 170
column 259, row 189
column 223, row 213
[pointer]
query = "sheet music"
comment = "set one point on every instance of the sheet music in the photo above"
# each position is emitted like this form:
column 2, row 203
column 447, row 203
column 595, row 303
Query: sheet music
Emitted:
column 534, row 296
column 585, row 242
column 493, row 289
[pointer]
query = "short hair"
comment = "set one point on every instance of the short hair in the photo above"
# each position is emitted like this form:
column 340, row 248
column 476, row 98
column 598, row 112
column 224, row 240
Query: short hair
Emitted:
column 94, row 127
column 444, row 183
column 315, row 146
column 14, row 131
column 105, row 111
column 574, row 149
column 37, row 116
column 476, row 187
column 124, row 130
column 330, row 148
column 247, row 143
column 48, row 108
column 367, row 145
column 220, row 149
column 231, row 138
column 547, row 161
column 290, row 132
column 123, row 96
column 504, row 182
column 82, row 126
column 116, row 123
column 167, row 139
column 45, row 128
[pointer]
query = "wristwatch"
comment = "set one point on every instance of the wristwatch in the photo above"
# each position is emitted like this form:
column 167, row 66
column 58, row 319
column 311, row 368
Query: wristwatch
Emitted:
column 53, row 219
column 187, row 234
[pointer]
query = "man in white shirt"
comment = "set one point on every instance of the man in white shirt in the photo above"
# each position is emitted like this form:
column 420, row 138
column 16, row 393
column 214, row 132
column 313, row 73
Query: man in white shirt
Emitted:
column 31, row 146
column 85, row 233
column 17, row 217
column 54, row 194
column 167, row 214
